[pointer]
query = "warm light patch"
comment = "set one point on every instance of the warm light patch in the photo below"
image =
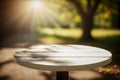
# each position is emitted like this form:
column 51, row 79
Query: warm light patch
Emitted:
column 37, row 3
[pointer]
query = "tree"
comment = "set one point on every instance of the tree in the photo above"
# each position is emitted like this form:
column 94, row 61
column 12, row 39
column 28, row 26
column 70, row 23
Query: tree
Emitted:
column 87, row 16
column 115, row 9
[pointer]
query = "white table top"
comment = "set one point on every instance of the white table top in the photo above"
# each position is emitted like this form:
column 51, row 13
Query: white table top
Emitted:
column 63, row 57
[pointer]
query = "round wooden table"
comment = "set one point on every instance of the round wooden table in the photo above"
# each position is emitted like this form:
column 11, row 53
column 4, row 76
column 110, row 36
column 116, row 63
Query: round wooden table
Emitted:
column 63, row 58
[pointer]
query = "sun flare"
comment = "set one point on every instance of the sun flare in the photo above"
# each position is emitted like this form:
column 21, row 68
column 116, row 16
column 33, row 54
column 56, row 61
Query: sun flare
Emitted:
column 37, row 3
column 36, row 13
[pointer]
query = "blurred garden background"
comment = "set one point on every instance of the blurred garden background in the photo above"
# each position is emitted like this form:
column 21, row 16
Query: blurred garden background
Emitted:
column 24, row 23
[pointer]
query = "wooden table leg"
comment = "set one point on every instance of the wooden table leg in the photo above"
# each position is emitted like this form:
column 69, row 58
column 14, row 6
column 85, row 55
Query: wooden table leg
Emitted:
column 62, row 75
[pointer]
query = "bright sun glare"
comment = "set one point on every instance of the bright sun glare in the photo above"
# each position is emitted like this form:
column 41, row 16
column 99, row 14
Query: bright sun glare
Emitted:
column 36, row 13
column 36, row 3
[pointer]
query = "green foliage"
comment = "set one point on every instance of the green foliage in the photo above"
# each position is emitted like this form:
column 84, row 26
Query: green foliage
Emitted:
column 68, row 15
column 107, row 13
column 105, row 36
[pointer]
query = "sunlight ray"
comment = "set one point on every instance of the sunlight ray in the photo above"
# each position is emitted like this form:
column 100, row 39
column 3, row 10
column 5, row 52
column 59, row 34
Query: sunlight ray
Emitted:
column 52, row 18
column 34, row 20
column 54, row 15
column 44, row 22
column 36, row 13
column 25, row 17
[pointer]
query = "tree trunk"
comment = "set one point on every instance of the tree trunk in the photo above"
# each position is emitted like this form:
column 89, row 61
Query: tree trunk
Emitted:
column 87, row 17
column 87, row 22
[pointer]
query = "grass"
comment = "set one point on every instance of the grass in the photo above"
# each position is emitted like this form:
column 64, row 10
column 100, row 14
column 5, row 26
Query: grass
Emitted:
column 105, row 32
column 61, row 35
column 58, row 35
